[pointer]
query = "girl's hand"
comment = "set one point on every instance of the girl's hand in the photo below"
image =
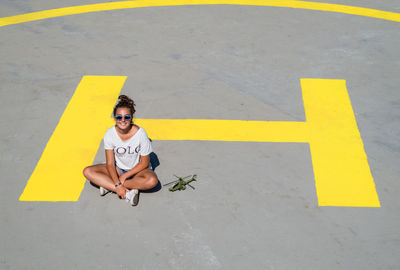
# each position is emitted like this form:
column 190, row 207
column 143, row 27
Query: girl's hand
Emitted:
column 121, row 191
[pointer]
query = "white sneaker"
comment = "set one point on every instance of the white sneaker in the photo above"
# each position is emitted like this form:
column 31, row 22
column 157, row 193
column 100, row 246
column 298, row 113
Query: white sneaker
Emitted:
column 103, row 191
column 132, row 196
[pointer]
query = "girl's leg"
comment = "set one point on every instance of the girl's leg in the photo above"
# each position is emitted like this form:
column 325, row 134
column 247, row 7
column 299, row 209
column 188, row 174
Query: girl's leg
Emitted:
column 143, row 180
column 98, row 174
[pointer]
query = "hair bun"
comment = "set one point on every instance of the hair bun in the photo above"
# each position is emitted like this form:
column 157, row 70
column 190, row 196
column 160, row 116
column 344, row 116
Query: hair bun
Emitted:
column 125, row 101
column 124, row 98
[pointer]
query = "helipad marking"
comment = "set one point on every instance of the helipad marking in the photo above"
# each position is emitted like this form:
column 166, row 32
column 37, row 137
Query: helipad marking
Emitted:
column 342, row 174
column 52, row 13
column 74, row 143
column 341, row 170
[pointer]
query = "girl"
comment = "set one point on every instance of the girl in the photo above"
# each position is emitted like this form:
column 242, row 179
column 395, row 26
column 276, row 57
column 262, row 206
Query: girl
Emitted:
column 127, row 169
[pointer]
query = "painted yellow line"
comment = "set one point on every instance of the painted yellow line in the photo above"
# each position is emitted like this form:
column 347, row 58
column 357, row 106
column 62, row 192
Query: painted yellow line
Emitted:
column 225, row 130
column 40, row 15
column 341, row 170
column 342, row 173
column 74, row 143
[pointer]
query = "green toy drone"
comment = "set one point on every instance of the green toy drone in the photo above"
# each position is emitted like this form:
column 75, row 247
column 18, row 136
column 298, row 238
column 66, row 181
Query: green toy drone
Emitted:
column 181, row 183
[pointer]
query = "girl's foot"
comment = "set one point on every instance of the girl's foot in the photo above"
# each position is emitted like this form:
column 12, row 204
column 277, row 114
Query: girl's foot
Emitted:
column 132, row 196
column 103, row 191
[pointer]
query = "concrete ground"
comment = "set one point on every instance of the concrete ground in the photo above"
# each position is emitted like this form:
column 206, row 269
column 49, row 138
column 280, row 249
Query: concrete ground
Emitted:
column 255, row 204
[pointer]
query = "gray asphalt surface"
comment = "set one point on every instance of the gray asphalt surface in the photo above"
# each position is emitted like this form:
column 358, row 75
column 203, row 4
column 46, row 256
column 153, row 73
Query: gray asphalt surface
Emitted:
column 255, row 204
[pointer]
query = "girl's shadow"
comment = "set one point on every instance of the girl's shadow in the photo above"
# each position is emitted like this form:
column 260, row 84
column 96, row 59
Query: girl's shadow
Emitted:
column 155, row 162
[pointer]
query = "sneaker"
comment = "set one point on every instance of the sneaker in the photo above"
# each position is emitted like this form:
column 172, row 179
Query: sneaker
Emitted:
column 132, row 196
column 103, row 191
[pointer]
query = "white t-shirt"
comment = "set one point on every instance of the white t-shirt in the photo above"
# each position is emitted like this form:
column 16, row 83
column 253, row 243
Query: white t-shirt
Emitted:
column 127, row 153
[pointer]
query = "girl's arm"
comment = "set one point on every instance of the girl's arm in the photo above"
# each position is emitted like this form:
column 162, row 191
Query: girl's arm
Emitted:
column 143, row 164
column 110, row 164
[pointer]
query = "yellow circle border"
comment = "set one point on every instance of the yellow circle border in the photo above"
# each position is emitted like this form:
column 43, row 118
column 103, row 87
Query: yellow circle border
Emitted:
column 52, row 13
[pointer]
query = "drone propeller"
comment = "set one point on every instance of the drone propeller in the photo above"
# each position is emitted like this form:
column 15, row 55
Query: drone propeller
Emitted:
column 182, row 178
column 191, row 186
column 171, row 183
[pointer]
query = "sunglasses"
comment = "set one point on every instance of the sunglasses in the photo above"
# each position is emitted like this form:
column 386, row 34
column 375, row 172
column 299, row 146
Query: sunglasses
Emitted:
column 119, row 117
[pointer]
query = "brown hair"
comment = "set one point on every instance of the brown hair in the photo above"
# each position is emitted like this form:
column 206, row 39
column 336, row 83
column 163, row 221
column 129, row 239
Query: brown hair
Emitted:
column 125, row 102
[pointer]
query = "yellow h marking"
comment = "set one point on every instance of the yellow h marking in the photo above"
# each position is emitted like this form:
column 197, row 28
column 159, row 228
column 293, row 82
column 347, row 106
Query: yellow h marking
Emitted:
column 74, row 143
column 341, row 169
column 342, row 173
